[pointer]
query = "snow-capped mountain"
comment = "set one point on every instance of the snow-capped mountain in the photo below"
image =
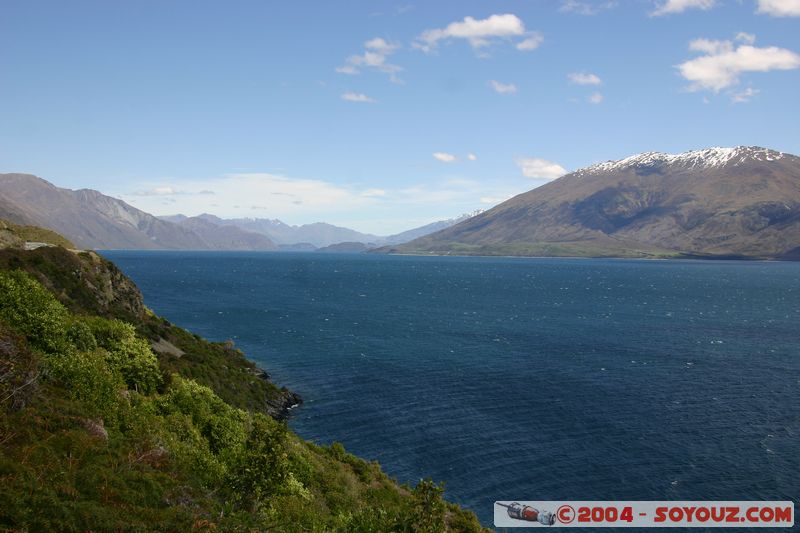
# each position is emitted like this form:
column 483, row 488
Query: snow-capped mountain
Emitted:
column 723, row 202
column 695, row 159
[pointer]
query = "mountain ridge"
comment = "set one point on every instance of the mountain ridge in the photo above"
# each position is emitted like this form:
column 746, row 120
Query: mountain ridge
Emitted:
column 720, row 202
column 94, row 220
column 319, row 234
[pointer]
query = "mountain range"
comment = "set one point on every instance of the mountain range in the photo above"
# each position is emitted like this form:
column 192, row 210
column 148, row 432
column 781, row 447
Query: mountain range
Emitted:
column 720, row 202
column 741, row 202
column 91, row 219
column 319, row 234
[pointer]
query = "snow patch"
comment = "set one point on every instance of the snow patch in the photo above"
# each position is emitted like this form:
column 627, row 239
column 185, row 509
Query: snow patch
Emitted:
column 708, row 158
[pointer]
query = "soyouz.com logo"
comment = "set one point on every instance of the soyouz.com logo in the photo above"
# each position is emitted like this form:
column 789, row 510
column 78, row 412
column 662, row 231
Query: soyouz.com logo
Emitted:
column 643, row 514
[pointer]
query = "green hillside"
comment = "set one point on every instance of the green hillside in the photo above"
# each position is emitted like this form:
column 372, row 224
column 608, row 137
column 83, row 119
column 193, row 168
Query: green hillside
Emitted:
column 99, row 431
column 15, row 235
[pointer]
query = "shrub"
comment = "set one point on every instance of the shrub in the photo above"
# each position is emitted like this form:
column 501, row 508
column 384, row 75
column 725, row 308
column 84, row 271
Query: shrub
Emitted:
column 223, row 426
column 190, row 450
column 262, row 468
column 81, row 336
column 33, row 311
column 337, row 451
column 89, row 380
column 128, row 354
column 428, row 508
column 19, row 371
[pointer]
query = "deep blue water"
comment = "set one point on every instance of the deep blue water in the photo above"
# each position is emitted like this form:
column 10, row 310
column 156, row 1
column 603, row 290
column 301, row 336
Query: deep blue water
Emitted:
column 531, row 379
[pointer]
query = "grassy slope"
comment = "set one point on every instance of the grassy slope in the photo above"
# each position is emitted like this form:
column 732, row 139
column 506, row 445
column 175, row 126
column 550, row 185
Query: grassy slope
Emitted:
column 163, row 465
column 541, row 249
column 15, row 235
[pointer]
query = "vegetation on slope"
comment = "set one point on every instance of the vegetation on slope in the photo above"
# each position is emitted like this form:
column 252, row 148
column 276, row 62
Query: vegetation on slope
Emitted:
column 87, row 284
column 97, row 433
column 540, row 249
column 15, row 235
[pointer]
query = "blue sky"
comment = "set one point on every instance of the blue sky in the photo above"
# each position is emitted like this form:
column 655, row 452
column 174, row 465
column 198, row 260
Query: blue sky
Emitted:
column 380, row 115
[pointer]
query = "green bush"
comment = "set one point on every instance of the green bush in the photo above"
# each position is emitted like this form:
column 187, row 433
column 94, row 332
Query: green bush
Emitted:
column 19, row 371
column 222, row 426
column 262, row 468
column 30, row 309
column 127, row 353
column 81, row 336
column 428, row 509
column 89, row 379
column 190, row 450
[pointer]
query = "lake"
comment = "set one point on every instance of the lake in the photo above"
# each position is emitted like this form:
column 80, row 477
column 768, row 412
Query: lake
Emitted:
column 529, row 379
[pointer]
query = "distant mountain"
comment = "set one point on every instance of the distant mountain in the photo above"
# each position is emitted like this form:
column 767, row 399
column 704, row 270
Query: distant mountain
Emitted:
column 297, row 247
column 427, row 229
column 93, row 220
column 345, row 248
column 175, row 219
column 12, row 212
column 719, row 202
column 318, row 234
column 223, row 237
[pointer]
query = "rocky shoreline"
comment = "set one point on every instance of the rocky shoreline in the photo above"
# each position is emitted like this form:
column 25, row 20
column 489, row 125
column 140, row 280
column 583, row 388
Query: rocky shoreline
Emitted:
column 279, row 408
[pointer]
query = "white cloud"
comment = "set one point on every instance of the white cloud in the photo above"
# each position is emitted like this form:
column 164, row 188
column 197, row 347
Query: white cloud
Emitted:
column 584, row 78
column 502, row 88
column 595, row 98
column 710, row 46
column 374, row 57
column 237, row 193
column 585, row 8
column 532, row 42
column 669, row 7
column 746, row 38
column 779, row 8
column 157, row 191
column 357, row 97
column 347, row 69
column 536, row 168
column 472, row 157
column 723, row 62
column 444, row 157
column 368, row 207
column 741, row 97
column 480, row 33
column 167, row 191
